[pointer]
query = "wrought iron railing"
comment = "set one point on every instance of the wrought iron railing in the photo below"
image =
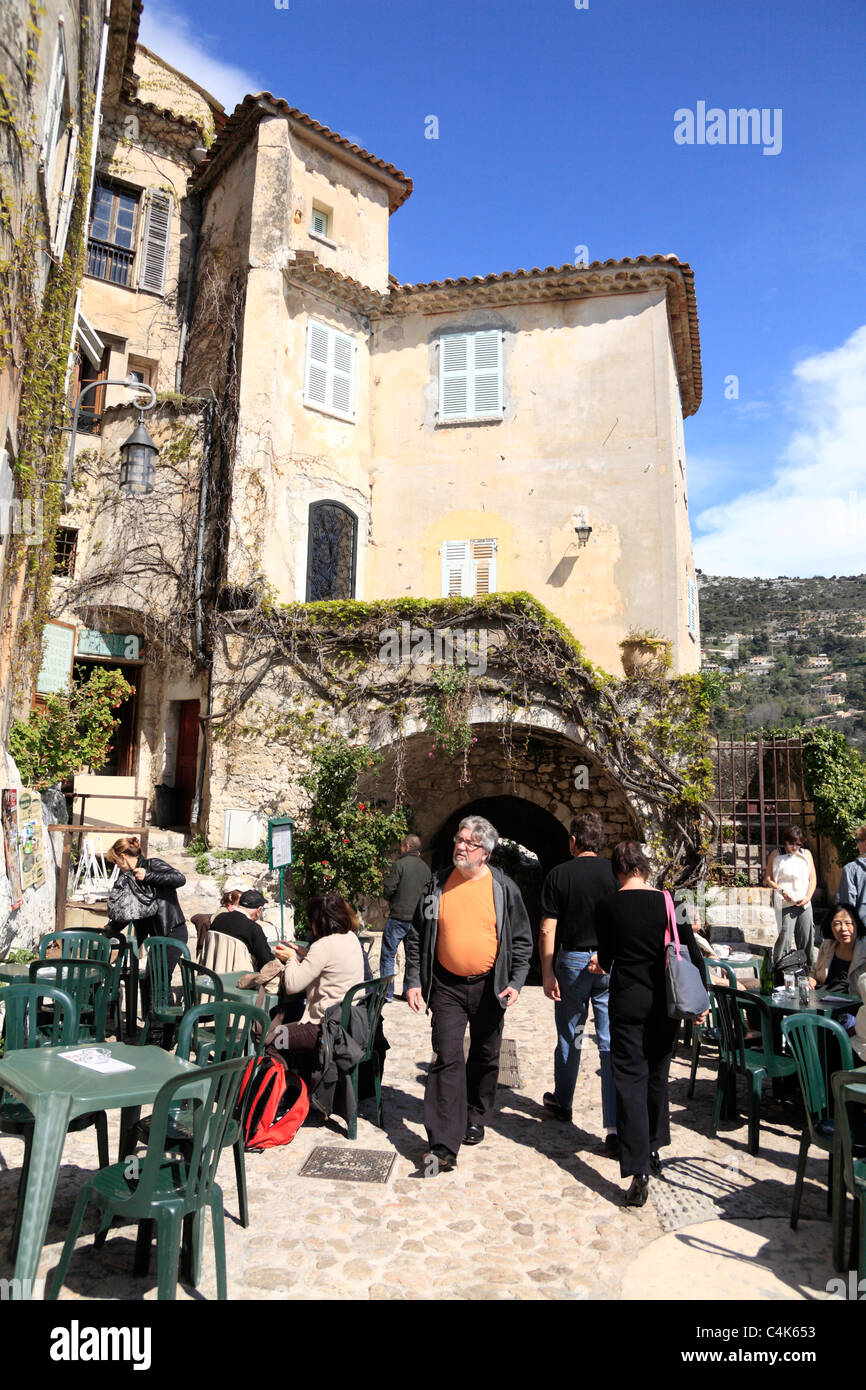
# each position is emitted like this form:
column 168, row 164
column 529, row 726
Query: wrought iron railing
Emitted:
column 107, row 262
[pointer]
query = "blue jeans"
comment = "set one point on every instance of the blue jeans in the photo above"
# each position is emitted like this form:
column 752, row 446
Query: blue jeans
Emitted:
column 577, row 987
column 391, row 937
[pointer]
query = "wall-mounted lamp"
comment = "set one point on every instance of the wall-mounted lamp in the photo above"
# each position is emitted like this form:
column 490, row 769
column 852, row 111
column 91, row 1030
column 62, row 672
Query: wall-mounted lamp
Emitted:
column 582, row 528
column 137, row 455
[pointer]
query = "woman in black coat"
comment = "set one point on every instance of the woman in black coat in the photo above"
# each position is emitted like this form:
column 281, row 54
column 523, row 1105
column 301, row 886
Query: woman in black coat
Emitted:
column 168, row 920
column 631, row 945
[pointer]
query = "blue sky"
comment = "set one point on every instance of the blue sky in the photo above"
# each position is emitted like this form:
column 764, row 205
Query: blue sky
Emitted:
column 556, row 130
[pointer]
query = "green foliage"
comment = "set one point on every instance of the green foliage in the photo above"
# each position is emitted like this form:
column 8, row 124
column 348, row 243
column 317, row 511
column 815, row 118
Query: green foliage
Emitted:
column 69, row 732
column 835, row 776
column 259, row 854
column 202, row 864
column 447, row 710
column 197, row 846
column 21, row 955
column 345, row 844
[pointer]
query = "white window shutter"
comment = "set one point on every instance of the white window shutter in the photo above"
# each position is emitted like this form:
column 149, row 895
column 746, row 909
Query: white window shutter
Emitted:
column 67, row 195
column 155, row 242
column 456, row 568
column 54, row 108
column 330, row 369
column 487, row 380
column 484, row 567
column 692, row 606
column 470, row 375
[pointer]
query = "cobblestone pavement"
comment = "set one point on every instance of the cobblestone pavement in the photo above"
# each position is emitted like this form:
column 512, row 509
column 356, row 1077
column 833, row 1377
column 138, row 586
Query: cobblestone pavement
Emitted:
column 534, row 1212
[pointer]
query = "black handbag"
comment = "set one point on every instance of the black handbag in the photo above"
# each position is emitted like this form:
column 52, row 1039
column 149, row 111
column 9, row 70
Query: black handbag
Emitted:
column 129, row 900
column 791, row 961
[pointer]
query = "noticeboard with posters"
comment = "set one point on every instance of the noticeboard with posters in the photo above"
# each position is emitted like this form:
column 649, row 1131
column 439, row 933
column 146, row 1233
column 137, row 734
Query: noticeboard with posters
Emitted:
column 30, row 839
column 9, row 813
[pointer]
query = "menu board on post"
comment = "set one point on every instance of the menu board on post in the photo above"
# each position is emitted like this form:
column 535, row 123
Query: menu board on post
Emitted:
column 30, row 839
column 58, row 655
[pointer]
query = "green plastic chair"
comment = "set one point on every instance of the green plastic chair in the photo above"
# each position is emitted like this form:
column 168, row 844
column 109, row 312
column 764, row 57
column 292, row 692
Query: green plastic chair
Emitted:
column 78, row 945
column 161, row 1008
column 169, row 1189
column 88, row 982
column 707, row 1032
column 375, row 991
column 736, row 1059
column 28, row 1024
column 200, row 986
column 850, row 1173
column 124, row 972
column 803, row 1032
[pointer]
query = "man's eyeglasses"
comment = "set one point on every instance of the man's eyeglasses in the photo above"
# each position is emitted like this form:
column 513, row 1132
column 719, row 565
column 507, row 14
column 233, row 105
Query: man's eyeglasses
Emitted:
column 468, row 844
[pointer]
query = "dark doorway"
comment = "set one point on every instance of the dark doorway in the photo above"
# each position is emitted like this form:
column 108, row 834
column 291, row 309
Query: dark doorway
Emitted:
column 525, row 824
column 186, row 762
column 121, row 756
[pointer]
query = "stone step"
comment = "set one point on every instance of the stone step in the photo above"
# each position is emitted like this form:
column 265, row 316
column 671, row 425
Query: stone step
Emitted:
column 160, row 840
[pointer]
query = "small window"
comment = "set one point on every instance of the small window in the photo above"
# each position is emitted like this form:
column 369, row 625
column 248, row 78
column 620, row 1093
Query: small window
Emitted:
column 331, row 552
column 93, row 404
column 468, row 568
column 330, row 370
column 470, row 376
column 65, row 546
column 320, row 222
column 111, row 239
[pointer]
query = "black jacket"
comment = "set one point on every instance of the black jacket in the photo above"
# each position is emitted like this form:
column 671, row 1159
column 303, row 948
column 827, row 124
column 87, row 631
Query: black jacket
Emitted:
column 513, row 933
column 165, row 881
column 340, row 1049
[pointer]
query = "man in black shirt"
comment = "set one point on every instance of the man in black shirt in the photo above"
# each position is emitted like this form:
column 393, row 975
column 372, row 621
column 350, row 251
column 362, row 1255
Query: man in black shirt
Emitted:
column 243, row 923
column 571, row 895
column 403, row 887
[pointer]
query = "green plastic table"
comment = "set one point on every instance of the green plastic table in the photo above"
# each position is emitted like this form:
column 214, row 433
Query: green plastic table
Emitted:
column 14, row 972
column 231, row 991
column 56, row 1092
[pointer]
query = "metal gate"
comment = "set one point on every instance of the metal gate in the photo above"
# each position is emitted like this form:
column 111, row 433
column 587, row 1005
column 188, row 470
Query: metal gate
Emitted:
column 759, row 790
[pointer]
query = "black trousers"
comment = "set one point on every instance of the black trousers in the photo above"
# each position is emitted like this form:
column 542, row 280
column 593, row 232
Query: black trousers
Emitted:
column 460, row 1093
column 641, row 1056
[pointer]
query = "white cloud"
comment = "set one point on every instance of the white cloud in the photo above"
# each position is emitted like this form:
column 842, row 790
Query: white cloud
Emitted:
column 186, row 46
column 810, row 518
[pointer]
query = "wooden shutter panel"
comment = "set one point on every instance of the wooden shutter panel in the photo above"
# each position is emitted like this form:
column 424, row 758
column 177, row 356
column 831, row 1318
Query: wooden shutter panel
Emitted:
column 318, row 344
column 484, row 567
column 453, row 376
column 487, row 378
column 455, row 567
column 67, row 194
column 155, row 242
column 54, row 109
column 692, row 606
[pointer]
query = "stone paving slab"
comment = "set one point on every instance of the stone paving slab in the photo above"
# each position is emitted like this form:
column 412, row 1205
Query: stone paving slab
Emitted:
column 535, row 1212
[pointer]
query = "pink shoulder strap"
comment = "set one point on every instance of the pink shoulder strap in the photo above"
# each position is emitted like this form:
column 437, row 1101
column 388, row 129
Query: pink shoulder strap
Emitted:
column 671, row 933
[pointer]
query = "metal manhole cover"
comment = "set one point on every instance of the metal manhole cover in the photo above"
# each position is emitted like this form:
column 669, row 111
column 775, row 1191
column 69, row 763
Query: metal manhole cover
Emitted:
column 348, row 1165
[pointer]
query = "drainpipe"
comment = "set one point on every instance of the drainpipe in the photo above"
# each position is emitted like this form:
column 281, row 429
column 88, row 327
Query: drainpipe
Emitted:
column 199, row 612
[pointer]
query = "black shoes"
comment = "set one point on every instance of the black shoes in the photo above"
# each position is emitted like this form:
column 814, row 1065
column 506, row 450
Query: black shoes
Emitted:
column 551, row 1104
column 439, row 1160
column 637, row 1193
column 655, row 1164
column 474, row 1134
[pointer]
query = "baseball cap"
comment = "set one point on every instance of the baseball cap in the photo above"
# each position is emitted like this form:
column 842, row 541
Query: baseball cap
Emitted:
column 252, row 898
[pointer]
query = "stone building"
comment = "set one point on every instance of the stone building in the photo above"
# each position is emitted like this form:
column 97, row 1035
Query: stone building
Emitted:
column 328, row 433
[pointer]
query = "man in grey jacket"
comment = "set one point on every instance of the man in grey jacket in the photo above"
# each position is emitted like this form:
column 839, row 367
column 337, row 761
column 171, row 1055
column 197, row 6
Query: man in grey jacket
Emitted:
column 467, row 957
column 403, row 887
column 852, row 885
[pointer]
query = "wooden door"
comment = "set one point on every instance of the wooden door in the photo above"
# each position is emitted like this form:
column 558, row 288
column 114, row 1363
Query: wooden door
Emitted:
column 186, row 765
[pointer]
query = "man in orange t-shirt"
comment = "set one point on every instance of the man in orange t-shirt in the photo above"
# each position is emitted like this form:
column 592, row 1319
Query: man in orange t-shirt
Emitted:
column 467, row 955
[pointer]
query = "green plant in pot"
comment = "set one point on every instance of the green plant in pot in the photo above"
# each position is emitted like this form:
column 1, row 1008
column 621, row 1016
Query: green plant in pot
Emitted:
column 644, row 652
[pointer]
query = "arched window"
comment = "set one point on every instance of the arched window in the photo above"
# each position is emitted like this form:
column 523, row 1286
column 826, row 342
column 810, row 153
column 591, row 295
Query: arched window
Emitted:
column 331, row 552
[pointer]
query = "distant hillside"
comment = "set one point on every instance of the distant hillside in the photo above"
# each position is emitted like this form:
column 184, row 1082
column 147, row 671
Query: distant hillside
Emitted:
column 793, row 651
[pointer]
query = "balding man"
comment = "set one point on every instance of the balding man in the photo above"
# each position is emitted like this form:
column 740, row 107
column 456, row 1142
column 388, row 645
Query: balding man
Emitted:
column 467, row 956
column 403, row 888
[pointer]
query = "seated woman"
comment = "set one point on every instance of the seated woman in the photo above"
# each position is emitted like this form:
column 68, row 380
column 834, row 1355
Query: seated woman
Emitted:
column 841, row 961
column 332, row 965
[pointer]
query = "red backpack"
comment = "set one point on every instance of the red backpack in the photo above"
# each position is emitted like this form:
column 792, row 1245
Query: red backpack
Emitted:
column 272, row 1105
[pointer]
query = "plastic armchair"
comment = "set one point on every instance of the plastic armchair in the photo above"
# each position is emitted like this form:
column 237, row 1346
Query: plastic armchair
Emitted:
column 375, row 992
column 29, row 1024
column 168, row 1190
column 124, row 971
column 88, row 982
column 708, row 1031
column 161, row 1008
column 803, row 1032
column 736, row 1059
column 200, row 985
column 849, row 1170
column 78, row 945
